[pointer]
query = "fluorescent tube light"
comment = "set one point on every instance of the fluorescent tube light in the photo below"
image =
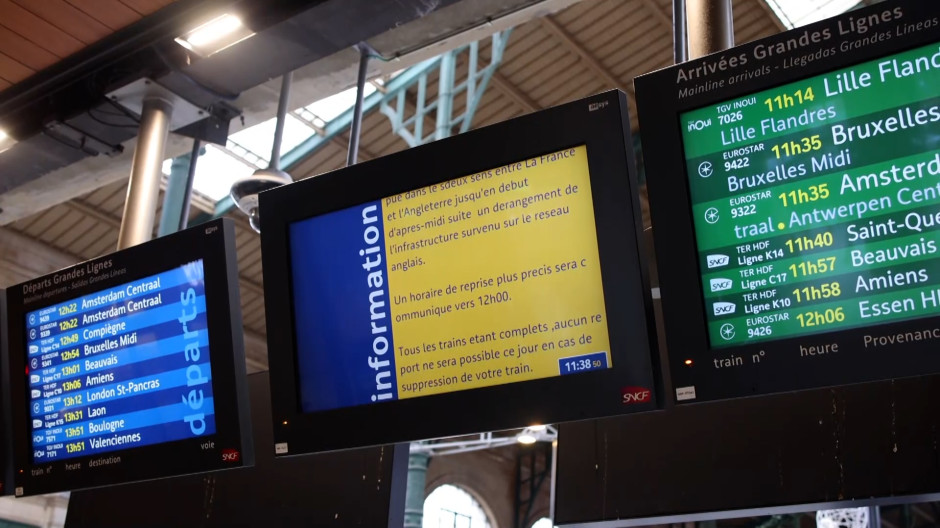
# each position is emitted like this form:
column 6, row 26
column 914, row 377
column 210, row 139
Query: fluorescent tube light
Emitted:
column 215, row 35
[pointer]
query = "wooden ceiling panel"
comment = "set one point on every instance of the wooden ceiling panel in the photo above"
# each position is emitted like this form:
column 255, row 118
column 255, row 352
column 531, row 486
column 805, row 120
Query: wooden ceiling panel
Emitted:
column 67, row 18
column 30, row 55
column 145, row 7
column 104, row 245
column 37, row 31
column 92, row 237
column 532, row 64
column 62, row 226
column 12, row 70
column 583, row 17
column 69, row 239
column 516, row 60
column 111, row 13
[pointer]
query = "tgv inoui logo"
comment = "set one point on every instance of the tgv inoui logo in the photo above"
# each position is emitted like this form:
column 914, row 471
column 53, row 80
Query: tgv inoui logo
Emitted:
column 717, row 260
column 723, row 308
column 720, row 284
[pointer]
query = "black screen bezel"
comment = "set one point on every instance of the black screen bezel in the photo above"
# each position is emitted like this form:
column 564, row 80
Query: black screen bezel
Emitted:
column 214, row 243
column 6, row 436
column 659, row 108
column 600, row 123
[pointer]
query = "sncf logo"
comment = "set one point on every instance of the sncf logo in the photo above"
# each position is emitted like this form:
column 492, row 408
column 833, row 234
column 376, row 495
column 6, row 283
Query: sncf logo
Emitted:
column 717, row 260
column 720, row 284
column 722, row 308
column 231, row 455
column 633, row 395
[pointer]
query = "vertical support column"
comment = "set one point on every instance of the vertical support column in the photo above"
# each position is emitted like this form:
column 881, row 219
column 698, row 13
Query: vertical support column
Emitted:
column 445, row 95
column 355, row 131
column 710, row 26
column 874, row 516
column 143, row 189
column 680, row 33
column 419, row 110
column 414, row 498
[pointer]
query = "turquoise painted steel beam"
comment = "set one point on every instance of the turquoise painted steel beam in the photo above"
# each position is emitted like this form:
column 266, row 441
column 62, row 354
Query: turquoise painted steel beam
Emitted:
column 175, row 195
column 336, row 126
column 414, row 494
column 343, row 121
column 445, row 95
column 410, row 129
column 474, row 97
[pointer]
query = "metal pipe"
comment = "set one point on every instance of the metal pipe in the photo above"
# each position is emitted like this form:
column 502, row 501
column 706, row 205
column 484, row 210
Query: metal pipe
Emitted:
column 190, row 178
column 143, row 189
column 709, row 25
column 680, row 35
column 275, row 163
column 356, row 128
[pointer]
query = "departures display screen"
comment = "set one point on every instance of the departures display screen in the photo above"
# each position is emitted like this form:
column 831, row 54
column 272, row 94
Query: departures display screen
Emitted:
column 816, row 204
column 120, row 368
column 488, row 279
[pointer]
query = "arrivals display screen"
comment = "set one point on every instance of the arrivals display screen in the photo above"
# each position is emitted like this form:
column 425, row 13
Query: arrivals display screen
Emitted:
column 127, row 353
column 813, row 204
column 482, row 274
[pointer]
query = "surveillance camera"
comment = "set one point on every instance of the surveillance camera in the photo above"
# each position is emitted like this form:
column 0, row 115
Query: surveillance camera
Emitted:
column 245, row 192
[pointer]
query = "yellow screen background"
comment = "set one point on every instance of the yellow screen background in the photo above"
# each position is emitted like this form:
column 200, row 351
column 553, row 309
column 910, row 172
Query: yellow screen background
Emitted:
column 513, row 248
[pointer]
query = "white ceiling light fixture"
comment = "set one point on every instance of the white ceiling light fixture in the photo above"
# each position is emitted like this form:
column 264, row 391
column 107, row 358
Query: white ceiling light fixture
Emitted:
column 6, row 141
column 537, row 433
column 215, row 35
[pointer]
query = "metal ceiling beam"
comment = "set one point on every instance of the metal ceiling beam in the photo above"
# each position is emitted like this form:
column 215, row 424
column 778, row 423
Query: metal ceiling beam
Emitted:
column 589, row 59
column 86, row 209
column 364, row 153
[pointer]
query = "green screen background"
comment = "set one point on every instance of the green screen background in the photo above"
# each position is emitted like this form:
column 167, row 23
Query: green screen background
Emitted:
column 793, row 264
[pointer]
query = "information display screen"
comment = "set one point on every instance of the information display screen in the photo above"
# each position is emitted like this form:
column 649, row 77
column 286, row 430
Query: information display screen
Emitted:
column 123, row 367
column 458, row 285
column 795, row 189
column 491, row 284
column 130, row 366
column 817, row 203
